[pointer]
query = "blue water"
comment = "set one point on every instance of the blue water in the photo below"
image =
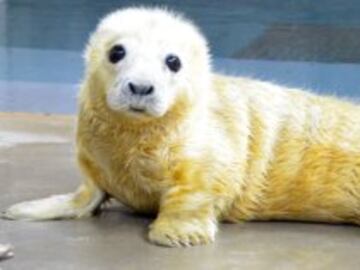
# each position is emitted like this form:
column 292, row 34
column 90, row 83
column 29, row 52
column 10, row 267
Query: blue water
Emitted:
column 308, row 44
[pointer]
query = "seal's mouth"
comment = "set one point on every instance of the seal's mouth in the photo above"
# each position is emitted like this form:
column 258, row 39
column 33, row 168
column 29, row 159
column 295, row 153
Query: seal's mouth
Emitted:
column 137, row 109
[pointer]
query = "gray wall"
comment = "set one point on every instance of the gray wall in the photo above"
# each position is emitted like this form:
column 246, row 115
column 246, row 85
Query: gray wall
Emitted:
column 303, row 43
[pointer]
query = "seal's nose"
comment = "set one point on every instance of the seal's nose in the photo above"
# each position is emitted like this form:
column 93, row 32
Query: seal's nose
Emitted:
column 140, row 89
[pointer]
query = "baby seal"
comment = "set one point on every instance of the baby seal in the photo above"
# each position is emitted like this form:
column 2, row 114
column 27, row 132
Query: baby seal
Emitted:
column 162, row 133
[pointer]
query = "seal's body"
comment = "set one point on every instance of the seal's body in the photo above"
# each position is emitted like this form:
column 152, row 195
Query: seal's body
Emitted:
column 160, row 132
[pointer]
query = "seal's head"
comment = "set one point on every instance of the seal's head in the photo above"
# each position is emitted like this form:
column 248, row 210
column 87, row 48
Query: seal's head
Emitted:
column 147, row 60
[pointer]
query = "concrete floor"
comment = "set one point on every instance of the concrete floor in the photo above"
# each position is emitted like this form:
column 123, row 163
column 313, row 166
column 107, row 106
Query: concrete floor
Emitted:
column 37, row 159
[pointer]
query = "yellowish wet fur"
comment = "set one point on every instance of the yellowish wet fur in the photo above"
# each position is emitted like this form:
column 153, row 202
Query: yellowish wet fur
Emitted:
column 232, row 149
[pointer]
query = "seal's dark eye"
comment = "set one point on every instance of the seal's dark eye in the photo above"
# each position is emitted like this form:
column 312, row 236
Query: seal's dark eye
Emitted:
column 117, row 53
column 173, row 62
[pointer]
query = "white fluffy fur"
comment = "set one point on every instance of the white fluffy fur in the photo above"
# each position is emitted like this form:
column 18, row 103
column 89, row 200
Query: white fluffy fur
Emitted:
column 146, row 51
column 54, row 207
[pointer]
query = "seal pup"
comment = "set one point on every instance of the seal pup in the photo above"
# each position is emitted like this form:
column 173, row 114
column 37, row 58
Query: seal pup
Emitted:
column 162, row 133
